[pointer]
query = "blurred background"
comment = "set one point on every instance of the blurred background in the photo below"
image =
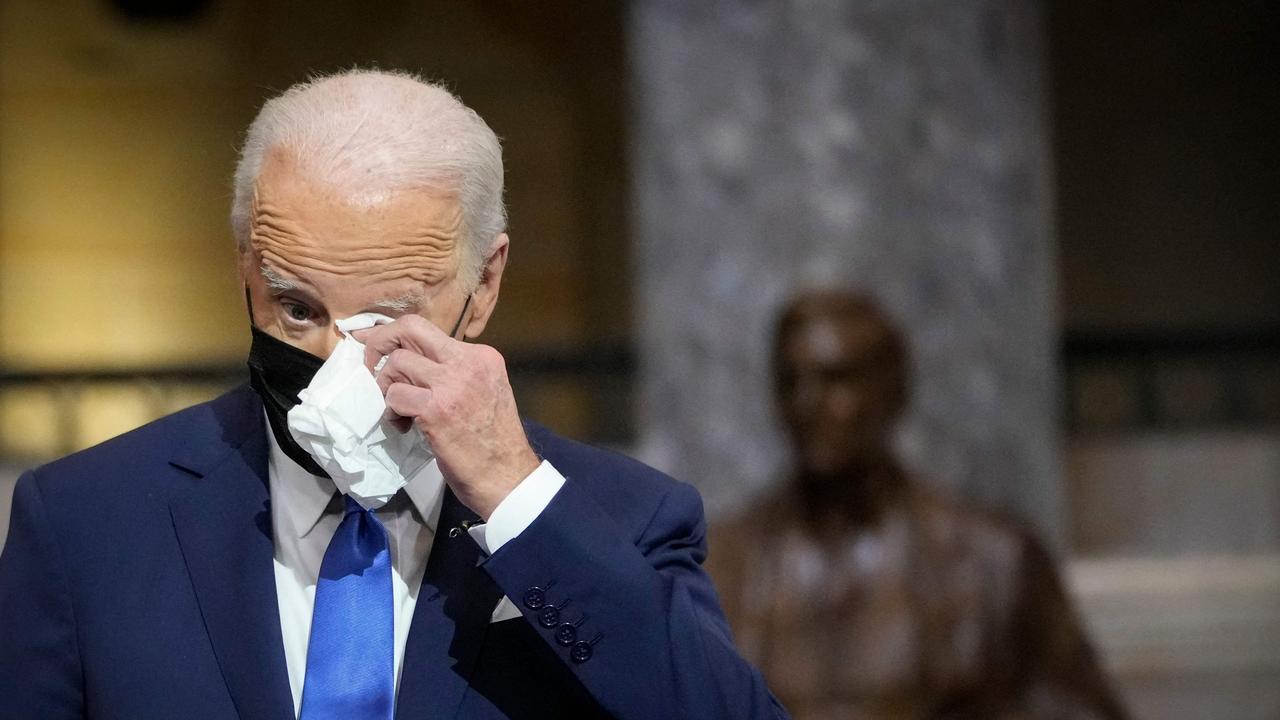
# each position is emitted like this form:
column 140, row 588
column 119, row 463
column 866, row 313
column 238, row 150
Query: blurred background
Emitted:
column 1070, row 206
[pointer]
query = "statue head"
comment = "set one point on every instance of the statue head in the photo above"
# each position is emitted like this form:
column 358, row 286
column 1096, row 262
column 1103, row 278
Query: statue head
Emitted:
column 840, row 370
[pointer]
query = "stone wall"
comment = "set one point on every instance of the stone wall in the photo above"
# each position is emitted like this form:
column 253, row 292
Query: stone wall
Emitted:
column 896, row 146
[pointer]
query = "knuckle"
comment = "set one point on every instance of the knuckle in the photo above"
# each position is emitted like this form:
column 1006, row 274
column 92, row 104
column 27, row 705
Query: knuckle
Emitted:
column 401, row 392
column 394, row 391
column 490, row 357
column 412, row 323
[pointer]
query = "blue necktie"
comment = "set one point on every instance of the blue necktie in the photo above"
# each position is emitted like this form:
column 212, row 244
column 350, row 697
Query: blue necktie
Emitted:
column 350, row 658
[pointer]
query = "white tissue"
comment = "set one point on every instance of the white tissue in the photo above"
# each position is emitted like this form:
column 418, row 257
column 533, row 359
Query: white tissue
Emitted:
column 339, row 422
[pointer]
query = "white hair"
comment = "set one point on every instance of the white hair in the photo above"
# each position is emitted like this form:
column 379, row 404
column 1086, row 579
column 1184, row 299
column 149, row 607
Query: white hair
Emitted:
column 370, row 132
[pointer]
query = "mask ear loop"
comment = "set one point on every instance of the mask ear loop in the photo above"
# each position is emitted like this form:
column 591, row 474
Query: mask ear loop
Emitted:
column 454, row 332
column 248, row 301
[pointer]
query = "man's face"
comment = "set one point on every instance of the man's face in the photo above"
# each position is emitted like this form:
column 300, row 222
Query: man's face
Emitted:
column 839, row 392
column 316, row 256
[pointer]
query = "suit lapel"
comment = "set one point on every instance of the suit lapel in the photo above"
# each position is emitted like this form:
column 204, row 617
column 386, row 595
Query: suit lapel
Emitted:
column 224, row 529
column 449, row 621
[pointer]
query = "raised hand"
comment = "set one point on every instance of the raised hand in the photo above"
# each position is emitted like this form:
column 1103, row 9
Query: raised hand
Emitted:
column 460, row 398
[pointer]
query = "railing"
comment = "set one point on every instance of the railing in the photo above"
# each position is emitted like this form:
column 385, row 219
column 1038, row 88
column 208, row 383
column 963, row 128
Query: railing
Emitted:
column 598, row 378
column 1112, row 383
column 1142, row 381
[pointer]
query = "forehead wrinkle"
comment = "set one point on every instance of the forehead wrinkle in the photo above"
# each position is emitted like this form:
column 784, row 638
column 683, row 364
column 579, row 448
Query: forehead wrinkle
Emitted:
column 385, row 255
column 445, row 225
column 267, row 216
column 437, row 230
column 406, row 301
column 271, row 231
column 373, row 243
column 427, row 274
column 429, row 243
column 423, row 260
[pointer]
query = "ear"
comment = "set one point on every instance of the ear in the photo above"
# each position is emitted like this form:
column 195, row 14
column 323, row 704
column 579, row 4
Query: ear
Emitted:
column 485, row 298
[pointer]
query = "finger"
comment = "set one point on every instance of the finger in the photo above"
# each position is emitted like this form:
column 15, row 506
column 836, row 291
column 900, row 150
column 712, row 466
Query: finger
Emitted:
column 361, row 336
column 411, row 332
column 408, row 366
column 362, row 332
column 408, row 401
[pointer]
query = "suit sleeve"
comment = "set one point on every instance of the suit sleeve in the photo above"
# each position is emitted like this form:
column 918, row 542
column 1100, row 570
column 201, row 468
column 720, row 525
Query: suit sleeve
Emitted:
column 652, row 642
column 40, row 674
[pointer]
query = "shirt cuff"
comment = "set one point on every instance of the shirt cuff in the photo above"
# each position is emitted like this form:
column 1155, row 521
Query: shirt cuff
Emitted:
column 518, row 509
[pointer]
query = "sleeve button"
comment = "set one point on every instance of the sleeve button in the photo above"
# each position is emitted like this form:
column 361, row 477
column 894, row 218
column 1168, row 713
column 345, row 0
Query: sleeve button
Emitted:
column 549, row 616
column 581, row 651
column 535, row 598
column 566, row 634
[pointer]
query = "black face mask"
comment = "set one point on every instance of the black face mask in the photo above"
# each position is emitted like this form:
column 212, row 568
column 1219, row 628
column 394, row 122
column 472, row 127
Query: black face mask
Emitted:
column 279, row 371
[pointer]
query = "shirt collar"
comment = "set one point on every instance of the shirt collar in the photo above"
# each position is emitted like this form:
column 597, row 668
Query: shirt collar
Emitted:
column 304, row 497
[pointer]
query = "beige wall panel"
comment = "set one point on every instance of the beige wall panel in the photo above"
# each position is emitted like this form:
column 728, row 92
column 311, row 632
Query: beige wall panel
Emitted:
column 28, row 422
column 114, row 230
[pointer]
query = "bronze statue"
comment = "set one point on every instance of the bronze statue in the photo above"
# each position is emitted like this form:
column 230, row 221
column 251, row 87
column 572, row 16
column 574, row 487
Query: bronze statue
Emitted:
column 860, row 593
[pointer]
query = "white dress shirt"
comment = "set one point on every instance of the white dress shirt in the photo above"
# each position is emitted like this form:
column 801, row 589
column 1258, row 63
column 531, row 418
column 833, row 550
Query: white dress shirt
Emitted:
column 306, row 511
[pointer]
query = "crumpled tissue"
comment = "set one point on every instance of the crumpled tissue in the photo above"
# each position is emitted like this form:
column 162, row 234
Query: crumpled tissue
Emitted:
column 339, row 421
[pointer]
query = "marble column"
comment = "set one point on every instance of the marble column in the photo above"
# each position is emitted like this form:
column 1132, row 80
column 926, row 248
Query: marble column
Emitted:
column 893, row 146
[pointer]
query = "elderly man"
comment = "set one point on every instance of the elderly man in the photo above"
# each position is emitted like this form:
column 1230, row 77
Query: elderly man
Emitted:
column 225, row 562
column 886, row 601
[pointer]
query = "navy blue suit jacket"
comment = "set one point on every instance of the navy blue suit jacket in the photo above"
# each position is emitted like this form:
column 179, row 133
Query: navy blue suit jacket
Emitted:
column 137, row 582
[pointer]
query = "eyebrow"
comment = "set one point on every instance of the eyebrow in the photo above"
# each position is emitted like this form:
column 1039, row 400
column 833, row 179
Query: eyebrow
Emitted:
column 275, row 280
column 408, row 301
column 402, row 303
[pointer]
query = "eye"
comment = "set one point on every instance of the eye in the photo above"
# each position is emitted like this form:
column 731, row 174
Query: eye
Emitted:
column 297, row 312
